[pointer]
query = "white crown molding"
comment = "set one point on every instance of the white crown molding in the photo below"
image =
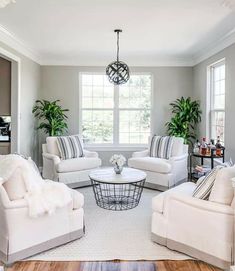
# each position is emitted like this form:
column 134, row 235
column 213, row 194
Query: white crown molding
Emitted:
column 134, row 62
column 15, row 43
column 12, row 41
column 214, row 47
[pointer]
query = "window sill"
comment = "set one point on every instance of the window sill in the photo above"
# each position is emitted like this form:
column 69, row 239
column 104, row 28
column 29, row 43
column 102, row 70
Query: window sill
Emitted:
column 115, row 148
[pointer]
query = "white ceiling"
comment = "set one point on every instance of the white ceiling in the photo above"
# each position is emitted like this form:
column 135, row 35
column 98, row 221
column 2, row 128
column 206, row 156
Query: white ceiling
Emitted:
column 80, row 32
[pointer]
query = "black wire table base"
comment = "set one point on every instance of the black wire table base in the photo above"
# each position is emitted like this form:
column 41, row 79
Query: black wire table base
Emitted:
column 117, row 196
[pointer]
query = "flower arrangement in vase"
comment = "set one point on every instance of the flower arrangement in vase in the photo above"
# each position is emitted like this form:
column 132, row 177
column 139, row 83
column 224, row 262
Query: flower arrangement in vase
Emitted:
column 118, row 160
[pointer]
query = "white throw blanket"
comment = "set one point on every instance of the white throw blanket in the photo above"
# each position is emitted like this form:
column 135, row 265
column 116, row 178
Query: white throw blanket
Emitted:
column 42, row 196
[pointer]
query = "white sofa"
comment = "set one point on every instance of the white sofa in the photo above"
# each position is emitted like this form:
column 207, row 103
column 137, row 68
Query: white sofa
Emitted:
column 202, row 229
column 22, row 236
column 73, row 172
column 163, row 174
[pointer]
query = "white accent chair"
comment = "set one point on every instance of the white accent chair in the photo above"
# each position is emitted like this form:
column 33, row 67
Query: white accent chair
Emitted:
column 22, row 236
column 163, row 174
column 202, row 229
column 73, row 172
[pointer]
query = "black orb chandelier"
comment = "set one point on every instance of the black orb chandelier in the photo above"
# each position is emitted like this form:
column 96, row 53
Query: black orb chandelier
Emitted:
column 118, row 72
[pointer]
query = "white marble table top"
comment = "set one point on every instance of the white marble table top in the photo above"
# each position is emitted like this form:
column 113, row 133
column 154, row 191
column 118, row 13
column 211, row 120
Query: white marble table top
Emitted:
column 107, row 175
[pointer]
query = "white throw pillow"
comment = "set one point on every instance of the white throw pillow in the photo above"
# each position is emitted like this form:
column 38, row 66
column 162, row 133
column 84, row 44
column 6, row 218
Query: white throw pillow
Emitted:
column 204, row 187
column 222, row 190
column 15, row 185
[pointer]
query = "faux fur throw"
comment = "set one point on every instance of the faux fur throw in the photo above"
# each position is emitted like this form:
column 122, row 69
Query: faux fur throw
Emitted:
column 42, row 196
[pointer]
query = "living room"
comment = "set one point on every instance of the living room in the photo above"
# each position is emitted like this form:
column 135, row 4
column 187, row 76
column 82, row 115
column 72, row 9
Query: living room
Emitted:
column 122, row 113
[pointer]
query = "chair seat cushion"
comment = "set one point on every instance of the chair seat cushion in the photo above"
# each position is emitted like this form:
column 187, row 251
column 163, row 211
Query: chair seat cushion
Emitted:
column 185, row 189
column 151, row 164
column 77, row 164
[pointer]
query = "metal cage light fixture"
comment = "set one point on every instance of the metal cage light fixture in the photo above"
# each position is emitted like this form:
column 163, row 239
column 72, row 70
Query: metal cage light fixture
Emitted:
column 118, row 72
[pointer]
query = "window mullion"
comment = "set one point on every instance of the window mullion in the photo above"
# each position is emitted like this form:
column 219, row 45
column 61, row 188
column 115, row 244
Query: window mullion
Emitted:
column 116, row 116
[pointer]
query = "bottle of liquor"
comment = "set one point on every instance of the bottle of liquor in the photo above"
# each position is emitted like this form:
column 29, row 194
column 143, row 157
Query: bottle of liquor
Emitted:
column 196, row 147
column 203, row 146
column 218, row 147
column 208, row 150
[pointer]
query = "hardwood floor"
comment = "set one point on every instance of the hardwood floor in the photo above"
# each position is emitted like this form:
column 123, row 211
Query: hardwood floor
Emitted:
column 113, row 266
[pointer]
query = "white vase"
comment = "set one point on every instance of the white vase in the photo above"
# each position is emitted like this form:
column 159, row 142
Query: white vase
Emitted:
column 118, row 169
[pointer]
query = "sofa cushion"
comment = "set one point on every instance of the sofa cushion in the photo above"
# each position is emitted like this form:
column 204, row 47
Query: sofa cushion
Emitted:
column 150, row 163
column 159, row 200
column 178, row 146
column 222, row 190
column 15, row 186
column 77, row 164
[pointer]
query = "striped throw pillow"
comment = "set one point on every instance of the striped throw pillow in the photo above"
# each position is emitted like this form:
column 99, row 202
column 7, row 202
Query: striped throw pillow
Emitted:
column 70, row 147
column 161, row 146
column 203, row 188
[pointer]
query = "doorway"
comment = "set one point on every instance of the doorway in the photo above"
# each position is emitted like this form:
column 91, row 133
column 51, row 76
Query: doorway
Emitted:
column 10, row 101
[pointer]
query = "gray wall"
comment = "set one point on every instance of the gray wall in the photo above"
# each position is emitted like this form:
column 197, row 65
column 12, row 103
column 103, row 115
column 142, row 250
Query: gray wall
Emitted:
column 200, row 92
column 62, row 82
column 30, row 88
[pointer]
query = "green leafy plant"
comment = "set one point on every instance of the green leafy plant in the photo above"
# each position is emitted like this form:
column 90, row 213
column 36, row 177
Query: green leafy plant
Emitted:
column 52, row 117
column 186, row 116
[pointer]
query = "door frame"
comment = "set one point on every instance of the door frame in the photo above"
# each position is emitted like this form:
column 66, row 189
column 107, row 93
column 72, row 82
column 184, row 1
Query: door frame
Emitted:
column 15, row 97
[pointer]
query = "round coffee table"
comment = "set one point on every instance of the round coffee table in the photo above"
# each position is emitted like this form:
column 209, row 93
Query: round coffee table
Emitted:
column 117, row 192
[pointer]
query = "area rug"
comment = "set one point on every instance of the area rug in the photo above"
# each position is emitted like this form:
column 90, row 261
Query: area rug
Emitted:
column 110, row 235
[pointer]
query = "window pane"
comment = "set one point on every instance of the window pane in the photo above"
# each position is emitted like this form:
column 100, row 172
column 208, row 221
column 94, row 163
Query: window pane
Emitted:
column 134, row 126
column 97, row 93
column 218, row 100
column 218, row 121
column 133, row 105
column 136, row 93
column 97, row 126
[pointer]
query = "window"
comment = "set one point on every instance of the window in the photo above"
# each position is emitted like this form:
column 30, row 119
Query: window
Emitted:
column 217, row 100
column 115, row 115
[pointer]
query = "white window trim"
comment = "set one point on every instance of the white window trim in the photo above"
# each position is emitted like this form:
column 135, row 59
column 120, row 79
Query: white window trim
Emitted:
column 210, row 96
column 114, row 146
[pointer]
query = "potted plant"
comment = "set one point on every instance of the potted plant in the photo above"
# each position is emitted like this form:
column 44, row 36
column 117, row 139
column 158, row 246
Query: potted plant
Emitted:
column 53, row 120
column 186, row 116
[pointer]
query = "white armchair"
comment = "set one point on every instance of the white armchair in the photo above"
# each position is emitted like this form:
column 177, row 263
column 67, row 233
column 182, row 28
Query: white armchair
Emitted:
column 73, row 172
column 200, row 228
column 161, row 173
column 22, row 236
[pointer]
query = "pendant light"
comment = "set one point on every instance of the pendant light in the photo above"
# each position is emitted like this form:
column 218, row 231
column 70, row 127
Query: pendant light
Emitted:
column 118, row 71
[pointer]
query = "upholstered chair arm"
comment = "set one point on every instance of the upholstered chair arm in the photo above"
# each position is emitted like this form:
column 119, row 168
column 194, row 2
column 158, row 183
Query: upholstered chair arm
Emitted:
column 11, row 204
column 201, row 224
column 50, row 163
column 203, row 205
column 55, row 158
column 140, row 154
column 178, row 158
column 78, row 199
column 90, row 154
